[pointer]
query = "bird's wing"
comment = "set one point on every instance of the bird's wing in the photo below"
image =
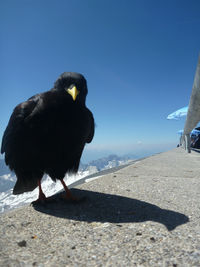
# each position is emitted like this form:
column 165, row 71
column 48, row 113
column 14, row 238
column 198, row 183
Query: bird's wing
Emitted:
column 92, row 127
column 22, row 113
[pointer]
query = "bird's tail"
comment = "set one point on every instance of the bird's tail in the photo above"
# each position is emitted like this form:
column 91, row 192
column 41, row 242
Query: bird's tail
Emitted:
column 26, row 181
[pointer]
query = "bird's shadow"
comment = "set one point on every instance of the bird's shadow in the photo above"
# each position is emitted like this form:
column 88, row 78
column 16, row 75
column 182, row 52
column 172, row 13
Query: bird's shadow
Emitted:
column 101, row 207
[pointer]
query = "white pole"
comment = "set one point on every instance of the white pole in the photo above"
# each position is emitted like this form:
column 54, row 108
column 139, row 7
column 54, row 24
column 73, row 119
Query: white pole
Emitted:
column 188, row 143
column 193, row 114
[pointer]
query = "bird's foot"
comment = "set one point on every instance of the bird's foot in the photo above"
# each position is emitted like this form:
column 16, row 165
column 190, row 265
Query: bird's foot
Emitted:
column 42, row 200
column 68, row 195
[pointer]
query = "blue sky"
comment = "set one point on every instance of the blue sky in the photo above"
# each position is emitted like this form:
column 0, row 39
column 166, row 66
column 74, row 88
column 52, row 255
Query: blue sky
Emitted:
column 139, row 58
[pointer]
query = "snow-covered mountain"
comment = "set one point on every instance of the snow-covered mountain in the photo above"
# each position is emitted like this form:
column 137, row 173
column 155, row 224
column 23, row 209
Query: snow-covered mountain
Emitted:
column 9, row 201
column 107, row 163
column 3, row 168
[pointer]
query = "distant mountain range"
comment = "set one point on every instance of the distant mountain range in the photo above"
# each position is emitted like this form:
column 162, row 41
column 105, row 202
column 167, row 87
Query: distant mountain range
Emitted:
column 3, row 168
column 7, row 180
column 107, row 162
column 100, row 164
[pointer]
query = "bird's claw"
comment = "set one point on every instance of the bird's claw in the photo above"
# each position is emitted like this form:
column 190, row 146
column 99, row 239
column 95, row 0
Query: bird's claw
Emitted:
column 42, row 201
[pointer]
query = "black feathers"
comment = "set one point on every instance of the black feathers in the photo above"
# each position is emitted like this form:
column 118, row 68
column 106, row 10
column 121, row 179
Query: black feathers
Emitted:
column 48, row 132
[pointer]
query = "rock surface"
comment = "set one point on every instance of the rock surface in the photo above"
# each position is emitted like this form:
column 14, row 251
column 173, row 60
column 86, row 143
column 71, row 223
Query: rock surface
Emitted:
column 146, row 214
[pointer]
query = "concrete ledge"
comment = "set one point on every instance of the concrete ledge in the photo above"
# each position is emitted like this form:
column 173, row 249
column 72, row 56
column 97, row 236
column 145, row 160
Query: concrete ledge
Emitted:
column 146, row 214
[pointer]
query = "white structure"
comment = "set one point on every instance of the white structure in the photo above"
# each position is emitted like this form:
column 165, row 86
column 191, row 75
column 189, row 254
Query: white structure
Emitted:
column 193, row 114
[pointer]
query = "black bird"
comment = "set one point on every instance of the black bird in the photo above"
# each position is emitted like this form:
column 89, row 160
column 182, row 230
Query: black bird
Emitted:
column 47, row 134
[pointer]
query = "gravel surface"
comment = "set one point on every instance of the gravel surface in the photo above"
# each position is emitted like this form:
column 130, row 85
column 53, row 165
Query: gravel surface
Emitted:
column 147, row 214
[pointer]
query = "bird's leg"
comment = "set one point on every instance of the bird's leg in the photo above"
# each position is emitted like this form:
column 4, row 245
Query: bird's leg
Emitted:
column 68, row 194
column 42, row 196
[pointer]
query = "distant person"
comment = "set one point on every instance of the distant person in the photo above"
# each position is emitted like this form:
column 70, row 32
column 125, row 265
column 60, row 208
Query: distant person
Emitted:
column 196, row 143
column 193, row 140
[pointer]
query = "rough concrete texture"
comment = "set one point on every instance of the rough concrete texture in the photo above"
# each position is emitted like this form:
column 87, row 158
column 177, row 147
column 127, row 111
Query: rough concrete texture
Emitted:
column 147, row 214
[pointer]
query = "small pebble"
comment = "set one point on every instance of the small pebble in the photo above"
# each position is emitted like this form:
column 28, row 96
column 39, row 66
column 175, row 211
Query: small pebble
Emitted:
column 138, row 233
column 22, row 243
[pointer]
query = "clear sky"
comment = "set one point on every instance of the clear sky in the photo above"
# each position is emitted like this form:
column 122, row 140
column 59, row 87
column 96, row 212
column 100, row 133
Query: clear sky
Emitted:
column 138, row 56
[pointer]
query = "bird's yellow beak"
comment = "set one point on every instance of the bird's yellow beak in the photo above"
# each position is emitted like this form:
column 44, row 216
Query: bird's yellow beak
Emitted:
column 73, row 92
